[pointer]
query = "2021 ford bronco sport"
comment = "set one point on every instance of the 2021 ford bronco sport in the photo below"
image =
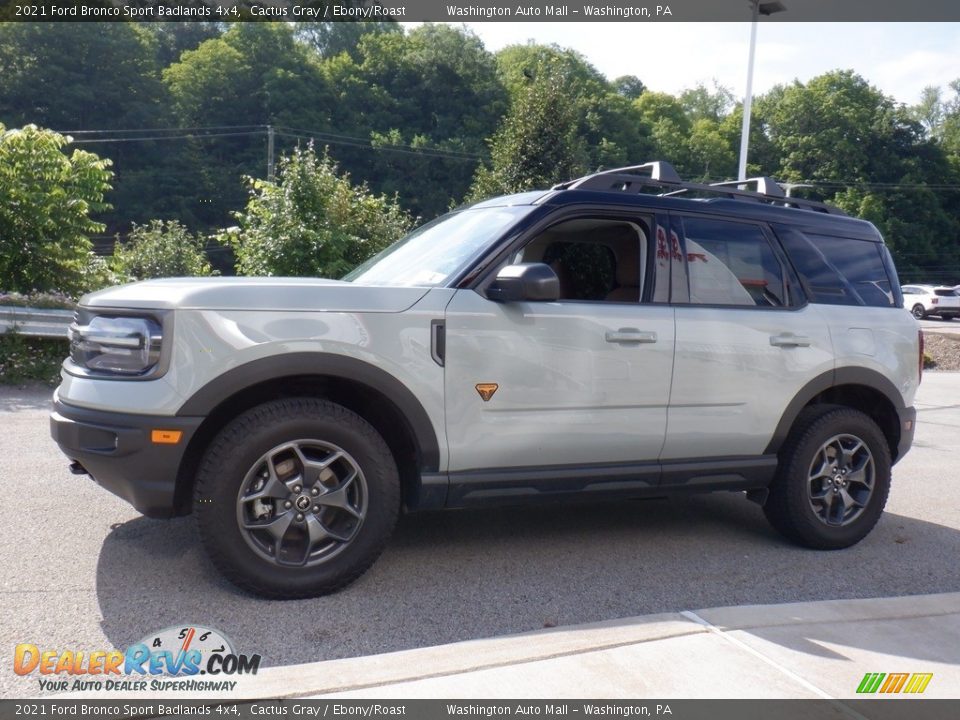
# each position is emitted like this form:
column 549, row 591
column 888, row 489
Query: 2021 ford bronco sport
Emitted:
column 622, row 334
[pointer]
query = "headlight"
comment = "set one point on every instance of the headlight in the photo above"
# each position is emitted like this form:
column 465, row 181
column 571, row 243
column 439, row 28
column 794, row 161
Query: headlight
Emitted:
column 116, row 345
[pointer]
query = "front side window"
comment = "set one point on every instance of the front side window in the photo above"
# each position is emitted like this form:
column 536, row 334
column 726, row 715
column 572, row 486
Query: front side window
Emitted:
column 434, row 253
column 731, row 263
column 595, row 259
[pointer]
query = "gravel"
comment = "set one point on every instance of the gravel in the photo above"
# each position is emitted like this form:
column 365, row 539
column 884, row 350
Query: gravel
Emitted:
column 944, row 350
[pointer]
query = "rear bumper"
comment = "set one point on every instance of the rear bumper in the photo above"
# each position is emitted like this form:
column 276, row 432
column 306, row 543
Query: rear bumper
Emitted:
column 908, row 426
column 117, row 451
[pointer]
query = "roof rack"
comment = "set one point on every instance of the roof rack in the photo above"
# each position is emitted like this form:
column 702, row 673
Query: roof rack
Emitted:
column 660, row 174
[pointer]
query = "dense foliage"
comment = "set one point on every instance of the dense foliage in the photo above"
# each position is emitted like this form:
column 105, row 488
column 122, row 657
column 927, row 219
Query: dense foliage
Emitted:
column 46, row 201
column 160, row 249
column 433, row 117
column 312, row 221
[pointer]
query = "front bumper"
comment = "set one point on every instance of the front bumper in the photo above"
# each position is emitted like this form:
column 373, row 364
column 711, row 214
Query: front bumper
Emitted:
column 117, row 451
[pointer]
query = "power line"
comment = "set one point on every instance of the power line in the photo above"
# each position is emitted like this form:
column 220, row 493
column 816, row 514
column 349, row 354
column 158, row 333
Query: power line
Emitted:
column 156, row 130
column 167, row 137
column 421, row 152
column 367, row 142
column 215, row 131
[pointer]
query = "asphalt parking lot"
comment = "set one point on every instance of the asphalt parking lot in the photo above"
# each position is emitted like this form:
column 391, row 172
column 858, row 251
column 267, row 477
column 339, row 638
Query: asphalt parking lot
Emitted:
column 84, row 571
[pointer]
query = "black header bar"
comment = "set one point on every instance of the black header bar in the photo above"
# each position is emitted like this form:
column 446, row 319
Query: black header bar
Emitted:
column 479, row 10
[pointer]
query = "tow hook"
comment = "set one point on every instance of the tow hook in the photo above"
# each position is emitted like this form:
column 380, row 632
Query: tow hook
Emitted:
column 78, row 469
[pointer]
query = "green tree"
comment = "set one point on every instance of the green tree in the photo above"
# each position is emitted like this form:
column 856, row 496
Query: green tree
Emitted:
column 538, row 144
column 106, row 77
column 332, row 38
column 608, row 121
column 175, row 38
column 436, row 89
column 160, row 249
column 702, row 102
column 669, row 126
column 46, row 199
column 312, row 221
column 869, row 155
column 255, row 74
column 630, row 86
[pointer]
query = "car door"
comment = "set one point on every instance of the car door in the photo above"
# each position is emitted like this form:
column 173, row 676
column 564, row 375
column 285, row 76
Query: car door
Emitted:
column 567, row 395
column 746, row 340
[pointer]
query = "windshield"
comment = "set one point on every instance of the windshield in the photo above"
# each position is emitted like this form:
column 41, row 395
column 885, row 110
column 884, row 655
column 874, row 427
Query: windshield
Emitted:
column 433, row 253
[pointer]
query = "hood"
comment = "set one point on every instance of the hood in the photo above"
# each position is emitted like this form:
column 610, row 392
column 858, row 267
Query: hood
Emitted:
column 256, row 293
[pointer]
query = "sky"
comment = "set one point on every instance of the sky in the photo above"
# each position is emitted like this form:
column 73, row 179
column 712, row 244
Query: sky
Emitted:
column 899, row 58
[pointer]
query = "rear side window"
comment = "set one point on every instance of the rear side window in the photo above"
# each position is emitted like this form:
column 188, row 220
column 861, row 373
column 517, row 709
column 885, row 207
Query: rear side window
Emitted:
column 841, row 271
column 731, row 263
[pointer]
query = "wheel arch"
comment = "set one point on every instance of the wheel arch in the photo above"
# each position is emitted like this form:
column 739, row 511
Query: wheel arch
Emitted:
column 377, row 396
column 859, row 388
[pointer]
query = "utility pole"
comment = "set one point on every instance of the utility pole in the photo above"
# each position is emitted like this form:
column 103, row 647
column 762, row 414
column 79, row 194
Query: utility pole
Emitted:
column 270, row 153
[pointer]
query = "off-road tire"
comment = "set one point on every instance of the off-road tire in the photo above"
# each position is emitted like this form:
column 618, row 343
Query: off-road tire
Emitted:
column 788, row 506
column 236, row 449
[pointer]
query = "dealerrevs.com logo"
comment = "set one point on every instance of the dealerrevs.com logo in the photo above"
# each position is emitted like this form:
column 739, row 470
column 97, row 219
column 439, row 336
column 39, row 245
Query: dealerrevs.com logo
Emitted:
column 168, row 660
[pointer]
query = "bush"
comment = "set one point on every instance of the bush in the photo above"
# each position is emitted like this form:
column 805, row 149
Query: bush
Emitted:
column 47, row 199
column 160, row 249
column 312, row 221
column 30, row 359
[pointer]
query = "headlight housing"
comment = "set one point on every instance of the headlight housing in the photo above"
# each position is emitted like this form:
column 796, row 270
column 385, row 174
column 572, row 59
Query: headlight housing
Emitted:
column 116, row 345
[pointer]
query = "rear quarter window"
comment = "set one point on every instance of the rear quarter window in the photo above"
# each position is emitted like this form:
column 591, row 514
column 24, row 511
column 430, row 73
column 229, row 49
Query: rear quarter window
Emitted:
column 840, row 271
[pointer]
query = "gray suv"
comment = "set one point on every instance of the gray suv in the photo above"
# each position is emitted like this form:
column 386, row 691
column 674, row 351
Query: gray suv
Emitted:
column 625, row 334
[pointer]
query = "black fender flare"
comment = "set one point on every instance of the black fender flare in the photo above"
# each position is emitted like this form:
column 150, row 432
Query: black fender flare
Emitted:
column 832, row 378
column 300, row 364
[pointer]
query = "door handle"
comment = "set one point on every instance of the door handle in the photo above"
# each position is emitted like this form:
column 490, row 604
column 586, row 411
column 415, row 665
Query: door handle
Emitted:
column 631, row 335
column 788, row 340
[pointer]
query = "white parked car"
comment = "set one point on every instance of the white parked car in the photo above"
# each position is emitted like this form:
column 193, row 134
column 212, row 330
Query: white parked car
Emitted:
column 923, row 300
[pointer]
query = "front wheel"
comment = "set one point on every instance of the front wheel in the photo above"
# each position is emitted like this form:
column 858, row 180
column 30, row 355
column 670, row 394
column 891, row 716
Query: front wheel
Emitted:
column 918, row 312
column 296, row 498
column 833, row 479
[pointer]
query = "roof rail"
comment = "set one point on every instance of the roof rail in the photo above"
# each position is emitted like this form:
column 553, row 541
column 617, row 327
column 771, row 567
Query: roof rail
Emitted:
column 765, row 185
column 660, row 174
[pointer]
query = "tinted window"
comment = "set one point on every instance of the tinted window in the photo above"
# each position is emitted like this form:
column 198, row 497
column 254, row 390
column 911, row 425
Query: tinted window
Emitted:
column 860, row 262
column 594, row 259
column 840, row 271
column 731, row 263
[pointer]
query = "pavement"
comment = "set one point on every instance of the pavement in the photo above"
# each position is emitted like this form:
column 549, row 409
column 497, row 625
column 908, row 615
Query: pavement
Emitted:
column 815, row 650
column 942, row 327
column 515, row 603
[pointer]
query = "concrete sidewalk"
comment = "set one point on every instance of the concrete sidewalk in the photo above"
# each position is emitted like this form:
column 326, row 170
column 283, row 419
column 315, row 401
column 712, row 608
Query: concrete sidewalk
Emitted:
column 815, row 650
column 798, row 650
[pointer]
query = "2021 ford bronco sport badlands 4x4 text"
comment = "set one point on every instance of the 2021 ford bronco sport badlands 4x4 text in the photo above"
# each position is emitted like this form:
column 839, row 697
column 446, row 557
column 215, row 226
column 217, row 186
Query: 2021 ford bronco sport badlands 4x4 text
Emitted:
column 623, row 334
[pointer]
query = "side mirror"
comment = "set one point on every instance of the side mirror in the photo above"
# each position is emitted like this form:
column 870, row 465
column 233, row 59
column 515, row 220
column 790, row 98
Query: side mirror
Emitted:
column 526, row 281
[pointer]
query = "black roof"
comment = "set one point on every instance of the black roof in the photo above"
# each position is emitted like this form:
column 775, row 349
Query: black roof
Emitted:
column 632, row 186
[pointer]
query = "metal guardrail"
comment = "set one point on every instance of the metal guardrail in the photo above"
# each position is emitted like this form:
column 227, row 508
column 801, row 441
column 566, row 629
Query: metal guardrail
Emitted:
column 35, row 322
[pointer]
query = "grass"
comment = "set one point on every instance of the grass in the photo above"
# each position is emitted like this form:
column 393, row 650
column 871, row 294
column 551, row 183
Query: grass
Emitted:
column 30, row 359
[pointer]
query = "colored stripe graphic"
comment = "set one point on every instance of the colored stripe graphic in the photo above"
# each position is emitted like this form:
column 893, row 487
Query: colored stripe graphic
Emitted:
column 870, row 682
column 918, row 683
column 895, row 682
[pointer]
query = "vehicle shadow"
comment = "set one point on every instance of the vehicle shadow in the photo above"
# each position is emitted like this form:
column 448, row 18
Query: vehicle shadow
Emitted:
column 463, row 575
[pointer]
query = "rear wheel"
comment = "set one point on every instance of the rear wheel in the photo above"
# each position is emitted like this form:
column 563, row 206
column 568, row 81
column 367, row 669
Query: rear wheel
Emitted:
column 918, row 312
column 833, row 479
column 296, row 498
